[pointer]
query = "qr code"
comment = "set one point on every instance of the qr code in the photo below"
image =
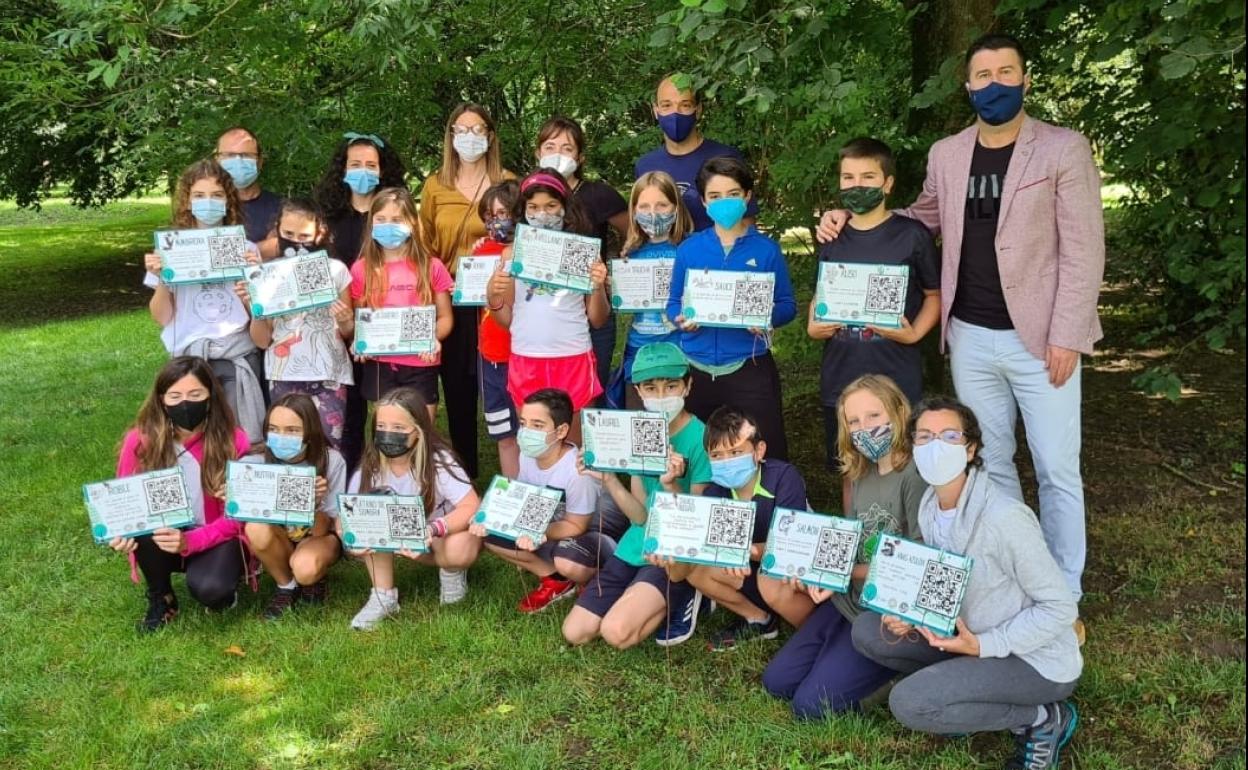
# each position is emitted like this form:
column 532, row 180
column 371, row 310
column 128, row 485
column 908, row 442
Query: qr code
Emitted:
column 406, row 521
column 165, row 494
column 730, row 527
column 536, row 512
column 417, row 325
column 662, row 282
column 577, row 258
column 226, row 251
column 835, row 551
column 941, row 587
column 312, row 275
column 752, row 298
column 886, row 293
column 649, row 436
column 296, row 493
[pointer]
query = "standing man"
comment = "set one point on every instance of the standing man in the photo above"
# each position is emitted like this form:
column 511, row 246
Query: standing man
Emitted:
column 238, row 152
column 1017, row 203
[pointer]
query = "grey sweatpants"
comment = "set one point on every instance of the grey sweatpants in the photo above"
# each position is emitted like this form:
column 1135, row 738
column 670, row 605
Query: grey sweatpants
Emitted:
column 954, row 694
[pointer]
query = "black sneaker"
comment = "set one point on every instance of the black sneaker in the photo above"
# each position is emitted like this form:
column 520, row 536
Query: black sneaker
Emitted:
column 315, row 593
column 1039, row 747
column 161, row 608
column 743, row 631
column 283, row 599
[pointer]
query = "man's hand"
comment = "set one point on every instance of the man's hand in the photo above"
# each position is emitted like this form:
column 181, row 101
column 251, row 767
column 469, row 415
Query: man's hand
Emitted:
column 1061, row 364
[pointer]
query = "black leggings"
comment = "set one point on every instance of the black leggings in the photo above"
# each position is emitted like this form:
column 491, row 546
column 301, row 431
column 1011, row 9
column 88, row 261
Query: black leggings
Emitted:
column 459, row 386
column 211, row 576
column 754, row 388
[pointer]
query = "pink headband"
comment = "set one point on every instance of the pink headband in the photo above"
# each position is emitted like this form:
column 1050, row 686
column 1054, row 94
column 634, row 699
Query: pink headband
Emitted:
column 549, row 180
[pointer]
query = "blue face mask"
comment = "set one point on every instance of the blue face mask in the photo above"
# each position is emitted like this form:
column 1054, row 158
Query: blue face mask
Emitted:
column 242, row 170
column 391, row 235
column 734, row 473
column 997, row 103
column 362, row 181
column 284, row 447
column 726, row 212
column 677, row 125
column 208, row 211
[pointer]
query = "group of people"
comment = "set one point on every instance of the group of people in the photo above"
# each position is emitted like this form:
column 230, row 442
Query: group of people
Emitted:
column 1013, row 290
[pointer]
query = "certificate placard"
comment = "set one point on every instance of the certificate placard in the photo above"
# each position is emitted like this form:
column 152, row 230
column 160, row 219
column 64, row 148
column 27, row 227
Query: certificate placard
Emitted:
column 733, row 299
column 814, row 548
column 513, row 509
column 700, row 530
column 395, row 331
column 639, row 285
column 624, row 441
column 382, row 522
column 861, row 295
column 201, row 255
column 270, row 493
column 917, row 583
column 554, row 258
column 290, row 285
column 472, row 279
column 138, row 505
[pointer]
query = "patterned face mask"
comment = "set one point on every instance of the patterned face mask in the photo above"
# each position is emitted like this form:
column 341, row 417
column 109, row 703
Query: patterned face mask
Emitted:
column 873, row 443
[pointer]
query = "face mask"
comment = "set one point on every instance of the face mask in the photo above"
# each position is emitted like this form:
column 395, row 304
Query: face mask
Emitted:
column 284, row 447
column 677, row 125
column 391, row 235
column 862, row 199
column 362, row 181
column 532, row 443
column 938, row 462
column 544, row 221
column 501, row 229
column 470, row 146
column 391, row 443
column 242, row 170
column 997, row 103
column 289, row 248
column 208, row 211
column 188, row 415
column 562, row 163
column 655, row 224
column 734, row 473
column 670, row 406
column 726, row 212
column 873, row 443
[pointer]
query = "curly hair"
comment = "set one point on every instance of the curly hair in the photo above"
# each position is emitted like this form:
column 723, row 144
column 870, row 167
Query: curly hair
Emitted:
column 205, row 169
column 332, row 193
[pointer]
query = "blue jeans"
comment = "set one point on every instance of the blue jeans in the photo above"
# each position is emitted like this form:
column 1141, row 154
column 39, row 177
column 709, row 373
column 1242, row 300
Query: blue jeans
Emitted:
column 997, row 378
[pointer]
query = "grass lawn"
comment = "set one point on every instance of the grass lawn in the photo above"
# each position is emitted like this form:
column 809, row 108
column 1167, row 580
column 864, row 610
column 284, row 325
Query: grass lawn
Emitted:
column 478, row 686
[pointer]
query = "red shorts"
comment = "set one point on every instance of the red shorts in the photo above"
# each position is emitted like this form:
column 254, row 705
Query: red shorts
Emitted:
column 575, row 375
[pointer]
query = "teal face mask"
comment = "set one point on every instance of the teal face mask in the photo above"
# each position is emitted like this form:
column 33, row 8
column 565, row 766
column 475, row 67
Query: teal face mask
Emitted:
column 533, row 443
column 726, row 212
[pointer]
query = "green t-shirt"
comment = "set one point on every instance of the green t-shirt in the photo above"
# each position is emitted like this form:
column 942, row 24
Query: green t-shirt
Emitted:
column 689, row 444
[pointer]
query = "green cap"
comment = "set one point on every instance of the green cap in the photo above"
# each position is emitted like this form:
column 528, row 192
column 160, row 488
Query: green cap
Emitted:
column 659, row 361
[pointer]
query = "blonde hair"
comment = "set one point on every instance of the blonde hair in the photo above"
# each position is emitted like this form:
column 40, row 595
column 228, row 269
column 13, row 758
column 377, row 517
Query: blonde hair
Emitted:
column 853, row 464
column 371, row 254
column 636, row 237
column 450, row 158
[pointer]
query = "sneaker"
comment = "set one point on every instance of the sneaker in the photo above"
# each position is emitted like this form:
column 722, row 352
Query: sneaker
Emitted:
column 161, row 608
column 283, row 599
column 681, row 623
column 1081, row 632
column 452, row 585
column 548, row 592
column 1039, row 747
column 743, row 631
column 315, row 593
column 380, row 605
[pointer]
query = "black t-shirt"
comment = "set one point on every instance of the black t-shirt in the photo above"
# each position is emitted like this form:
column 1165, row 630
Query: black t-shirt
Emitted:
column 979, row 299
column 856, row 351
column 601, row 202
column 260, row 215
column 347, row 230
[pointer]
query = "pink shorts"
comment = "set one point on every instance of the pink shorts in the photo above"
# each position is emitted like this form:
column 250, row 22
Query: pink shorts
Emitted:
column 575, row 375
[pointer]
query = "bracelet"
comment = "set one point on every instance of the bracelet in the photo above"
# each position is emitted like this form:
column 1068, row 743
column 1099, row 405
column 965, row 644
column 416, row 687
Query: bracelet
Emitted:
column 493, row 309
column 439, row 527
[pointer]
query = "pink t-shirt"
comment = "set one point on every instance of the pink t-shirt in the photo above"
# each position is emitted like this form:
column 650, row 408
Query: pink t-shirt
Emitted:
column 403, row 290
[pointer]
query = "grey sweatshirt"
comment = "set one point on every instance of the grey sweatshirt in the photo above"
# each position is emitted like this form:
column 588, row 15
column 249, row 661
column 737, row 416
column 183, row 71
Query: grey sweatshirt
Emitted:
column 1016, row 602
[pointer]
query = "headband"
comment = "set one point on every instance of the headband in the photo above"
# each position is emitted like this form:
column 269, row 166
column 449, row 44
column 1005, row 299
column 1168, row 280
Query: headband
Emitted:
column 351, row 136
column 549, row 180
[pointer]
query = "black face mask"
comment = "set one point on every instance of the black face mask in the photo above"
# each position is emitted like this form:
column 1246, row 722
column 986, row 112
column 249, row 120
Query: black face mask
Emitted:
column 188, row 415
column 391, row 443
column 285, row 245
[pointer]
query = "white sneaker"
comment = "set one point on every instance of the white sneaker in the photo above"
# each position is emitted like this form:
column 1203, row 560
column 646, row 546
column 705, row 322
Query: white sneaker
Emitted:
column 453, row 585
column 380, row 605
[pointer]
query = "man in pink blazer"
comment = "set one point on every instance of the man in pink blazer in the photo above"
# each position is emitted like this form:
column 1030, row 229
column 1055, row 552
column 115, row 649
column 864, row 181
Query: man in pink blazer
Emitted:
column 1017, row 205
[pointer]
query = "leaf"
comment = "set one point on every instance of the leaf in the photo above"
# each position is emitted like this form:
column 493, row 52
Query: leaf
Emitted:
column 715, row 6
column 111, row 73
column 235, row 650
column 504, row 708
column 1176, row 65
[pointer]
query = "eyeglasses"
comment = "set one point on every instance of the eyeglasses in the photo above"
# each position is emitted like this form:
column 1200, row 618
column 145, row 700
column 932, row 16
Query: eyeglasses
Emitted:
column 949, row 436
column 479, row 129
column 243, row 155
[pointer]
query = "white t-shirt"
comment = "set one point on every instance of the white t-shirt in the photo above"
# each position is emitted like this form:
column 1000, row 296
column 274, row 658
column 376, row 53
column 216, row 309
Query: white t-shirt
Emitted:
column 547, row 322
column 580, row 492
column 450, row 482
column 306, row 346
column 944, row 527
column 200, row 311
column 335, row 479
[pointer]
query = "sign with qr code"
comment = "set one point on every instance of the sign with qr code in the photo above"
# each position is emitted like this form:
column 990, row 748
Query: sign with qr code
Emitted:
column 814, row 548
column 861, row 295
column 917, row 583
column 385, row 523
column 513, row 509
column 472, row 280
column 622, row 441
column 555, row 258
column 203, row 255
column 138, row 505
column 640, row 285
column 731, row 299
column 700, row 530
column 270, row 493
column 395, row 331
column 290, row 284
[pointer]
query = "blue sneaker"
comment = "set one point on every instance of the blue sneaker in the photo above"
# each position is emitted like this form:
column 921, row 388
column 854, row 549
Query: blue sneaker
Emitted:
column 681, row 623
column 1040, row 747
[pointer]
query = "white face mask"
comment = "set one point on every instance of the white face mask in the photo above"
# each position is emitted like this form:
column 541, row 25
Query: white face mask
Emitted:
column 562, row 163
column 670, row 406
column 938, row 462
column 470, row 146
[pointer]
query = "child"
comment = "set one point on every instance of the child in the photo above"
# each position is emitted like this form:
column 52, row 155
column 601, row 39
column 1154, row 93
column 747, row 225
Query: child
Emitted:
column 307, row 352
column 395, row 271
column 206, row 319
column 628, row 599
column 1014, row 661
column 405, row 455
column 733, row 366
column 299, row 557
column 569, row 553
column 818, row 670
column 186, row 422
column 493, row 340
column 876, row 236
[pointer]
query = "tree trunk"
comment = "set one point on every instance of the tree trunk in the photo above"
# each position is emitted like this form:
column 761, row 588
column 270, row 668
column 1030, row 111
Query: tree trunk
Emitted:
column 943, row 29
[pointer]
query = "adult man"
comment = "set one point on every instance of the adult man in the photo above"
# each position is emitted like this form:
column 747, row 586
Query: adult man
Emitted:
column 238, row 152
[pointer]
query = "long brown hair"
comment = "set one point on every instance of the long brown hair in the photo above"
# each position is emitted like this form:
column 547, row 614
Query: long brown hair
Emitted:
column 431, row 453
column 315, row 444
column 205, row 169
column 683, row 225
column 853, row 464
column 450, row 158
column 157, row 433
column 374, row 259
